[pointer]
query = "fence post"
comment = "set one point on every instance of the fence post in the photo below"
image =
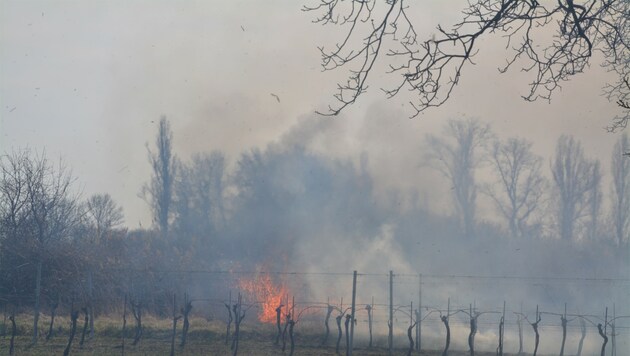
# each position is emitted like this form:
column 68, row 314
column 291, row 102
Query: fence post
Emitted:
column 91, row 301
column 391, row 312
column 520, row 331
column 38, row 282
column 354, row 297
column 419, row 316
column 501, row 331
column 613, row 351
column 124, row 327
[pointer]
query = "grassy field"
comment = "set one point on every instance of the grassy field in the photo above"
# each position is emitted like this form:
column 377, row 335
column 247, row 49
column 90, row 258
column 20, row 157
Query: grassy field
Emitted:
column 204, row 338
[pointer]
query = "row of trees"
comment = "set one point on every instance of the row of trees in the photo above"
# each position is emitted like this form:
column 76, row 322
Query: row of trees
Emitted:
column 520, row 191
column 276, row 201
column 198, row 202
column 40, row 216
column 58, row 249
column 192, row 196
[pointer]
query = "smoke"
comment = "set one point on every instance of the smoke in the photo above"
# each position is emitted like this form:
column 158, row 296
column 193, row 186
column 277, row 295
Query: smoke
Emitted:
column 303, row 206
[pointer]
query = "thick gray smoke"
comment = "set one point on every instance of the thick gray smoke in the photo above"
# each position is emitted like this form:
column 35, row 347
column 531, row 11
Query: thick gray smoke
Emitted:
column 297, row 208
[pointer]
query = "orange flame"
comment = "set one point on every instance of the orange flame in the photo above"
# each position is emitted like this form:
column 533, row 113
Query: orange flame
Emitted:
column 264, row 291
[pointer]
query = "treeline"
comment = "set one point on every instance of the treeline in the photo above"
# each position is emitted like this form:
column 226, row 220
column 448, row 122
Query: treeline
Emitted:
column 287, row 207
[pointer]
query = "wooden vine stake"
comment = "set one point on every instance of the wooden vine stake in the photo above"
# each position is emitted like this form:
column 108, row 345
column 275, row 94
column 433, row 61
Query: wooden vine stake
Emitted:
column 329, row 311
column 419, row 316
column 473, row 330
column 444, row 319
column 613, row 345
column 338, row 320
column 563, row 321
column 369, row 308
column 353, row 313
column 602, row 332
column 124, row 327
column 185, row 312
column 412, row 325
column 346, row 326
column 581, row 343
column 239, row 315
column 390, row 323
column 501, row 330
column 175, row 319
column 13, row 332
column 229, row 322
column 535, row 327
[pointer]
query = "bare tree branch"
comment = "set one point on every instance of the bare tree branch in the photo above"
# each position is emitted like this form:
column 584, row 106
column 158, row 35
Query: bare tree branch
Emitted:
column 553, row 41
column 575, row 178
column 520, row 182
column 457, row 156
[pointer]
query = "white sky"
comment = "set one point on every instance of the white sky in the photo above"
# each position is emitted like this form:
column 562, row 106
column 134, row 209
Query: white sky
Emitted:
column 88, row 80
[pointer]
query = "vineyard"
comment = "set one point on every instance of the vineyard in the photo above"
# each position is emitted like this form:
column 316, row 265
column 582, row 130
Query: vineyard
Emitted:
column 317, row 313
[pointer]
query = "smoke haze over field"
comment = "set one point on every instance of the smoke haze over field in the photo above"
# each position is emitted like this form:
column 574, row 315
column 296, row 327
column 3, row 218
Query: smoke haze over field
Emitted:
column 89, row 81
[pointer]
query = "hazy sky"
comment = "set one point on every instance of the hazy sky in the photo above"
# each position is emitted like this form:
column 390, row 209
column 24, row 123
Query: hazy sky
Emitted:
column 88, row 80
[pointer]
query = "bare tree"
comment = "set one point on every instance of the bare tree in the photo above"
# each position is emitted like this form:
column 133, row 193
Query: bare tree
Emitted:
column 52, row 210
column 14, row 212
column 457, row 156
column 574, row 176
column 38, row 208
column 15, row 221
column 619, row 91
column 520, row 180
column 102, row 217
column 594, row 201
column 199, row 207
column 620, row 195
column 431, row 68
column 104, row 214
column 159, row 191
column 52, row 206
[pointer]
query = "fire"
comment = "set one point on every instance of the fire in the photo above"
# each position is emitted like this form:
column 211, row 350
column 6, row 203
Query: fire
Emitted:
column 268, row 294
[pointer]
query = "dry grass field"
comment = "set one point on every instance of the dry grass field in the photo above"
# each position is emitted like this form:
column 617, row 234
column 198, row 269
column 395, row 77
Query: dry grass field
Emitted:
column 204, row 338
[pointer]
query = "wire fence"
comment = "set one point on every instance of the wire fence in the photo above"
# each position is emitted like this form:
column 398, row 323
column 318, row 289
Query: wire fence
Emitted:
column 397, row 299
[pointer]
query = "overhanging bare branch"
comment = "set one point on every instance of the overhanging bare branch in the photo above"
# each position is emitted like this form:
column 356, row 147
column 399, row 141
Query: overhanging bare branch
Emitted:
column 553, row 41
